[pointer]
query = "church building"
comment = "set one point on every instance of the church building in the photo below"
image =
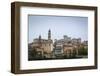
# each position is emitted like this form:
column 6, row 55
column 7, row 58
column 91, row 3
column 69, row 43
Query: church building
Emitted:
column 43, row 46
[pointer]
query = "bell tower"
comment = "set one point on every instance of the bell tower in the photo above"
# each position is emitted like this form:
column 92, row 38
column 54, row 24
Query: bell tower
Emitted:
column 39, row 40
column 49, row 34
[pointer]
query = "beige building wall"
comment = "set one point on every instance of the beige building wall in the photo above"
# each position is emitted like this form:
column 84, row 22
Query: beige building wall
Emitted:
column 47, row 47
column 68, row 49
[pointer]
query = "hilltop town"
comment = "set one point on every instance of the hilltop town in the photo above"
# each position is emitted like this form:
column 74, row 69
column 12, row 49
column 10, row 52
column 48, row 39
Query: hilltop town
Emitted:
column 66, row 48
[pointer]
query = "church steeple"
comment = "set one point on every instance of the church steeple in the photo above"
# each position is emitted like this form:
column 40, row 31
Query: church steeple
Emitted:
column 49, row 34
column 39, row 40
column 40, row 37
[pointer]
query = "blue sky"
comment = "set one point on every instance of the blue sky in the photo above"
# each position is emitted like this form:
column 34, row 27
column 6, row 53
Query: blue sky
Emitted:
column 71, row 26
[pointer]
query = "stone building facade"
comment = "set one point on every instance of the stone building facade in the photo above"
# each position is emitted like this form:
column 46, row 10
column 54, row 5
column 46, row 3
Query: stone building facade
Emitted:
column 70, row 46
column 43, row 46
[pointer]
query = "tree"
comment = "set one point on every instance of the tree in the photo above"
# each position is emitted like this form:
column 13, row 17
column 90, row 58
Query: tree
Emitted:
column 83, row 51
column 34, row 52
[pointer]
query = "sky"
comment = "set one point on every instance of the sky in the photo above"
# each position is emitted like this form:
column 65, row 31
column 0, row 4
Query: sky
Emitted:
column 72, row 26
